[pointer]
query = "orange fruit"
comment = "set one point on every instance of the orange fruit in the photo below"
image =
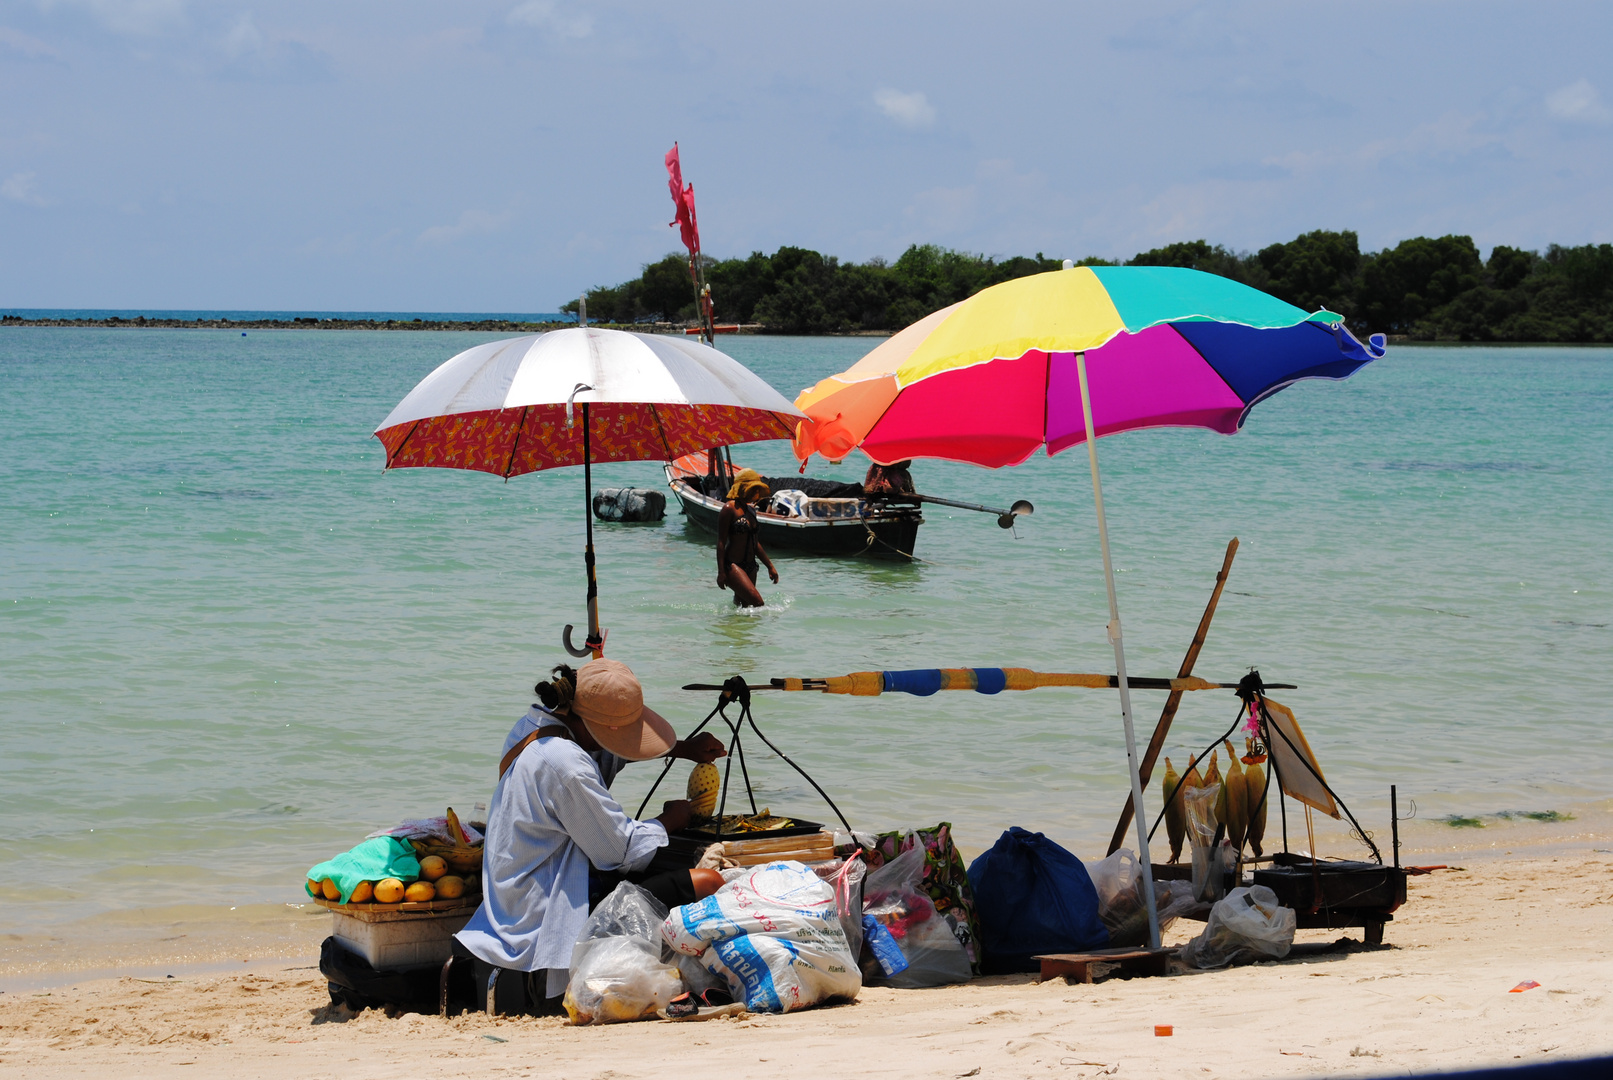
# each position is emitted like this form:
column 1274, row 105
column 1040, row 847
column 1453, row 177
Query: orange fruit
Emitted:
column 330, row 889
column 420, row 890
column 450, row 887
column 314, row 889
column 388, row 891
column 362, row 893
column 433, row 867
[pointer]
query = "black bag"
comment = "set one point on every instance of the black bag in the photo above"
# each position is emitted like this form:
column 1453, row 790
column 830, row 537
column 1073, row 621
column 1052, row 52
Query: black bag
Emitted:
column 629, row 504
column 354, row 983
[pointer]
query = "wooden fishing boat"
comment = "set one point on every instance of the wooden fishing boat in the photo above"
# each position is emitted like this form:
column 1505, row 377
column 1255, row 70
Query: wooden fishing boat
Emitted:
column 884, row 530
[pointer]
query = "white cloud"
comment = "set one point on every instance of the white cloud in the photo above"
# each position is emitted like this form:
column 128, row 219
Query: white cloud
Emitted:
column 547, row 15
column 470, row 223
column 30, row 47
column 1578, row 101
column 243, row 38
column 20, row 187
column 129, row 16
column 910, row 110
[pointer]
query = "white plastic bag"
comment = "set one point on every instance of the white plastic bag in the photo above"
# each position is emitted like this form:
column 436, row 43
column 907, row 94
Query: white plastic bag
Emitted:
column 894, row 895
column 773, row 933
column 618, row 969
column 1248, row 925
column 788, row 502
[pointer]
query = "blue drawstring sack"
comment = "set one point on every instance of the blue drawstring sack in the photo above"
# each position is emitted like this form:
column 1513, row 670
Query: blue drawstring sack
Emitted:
column 1033, row 897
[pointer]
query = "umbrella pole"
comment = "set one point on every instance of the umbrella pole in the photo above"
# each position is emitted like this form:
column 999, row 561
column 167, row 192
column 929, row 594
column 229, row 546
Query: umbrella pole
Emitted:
column 1120, row 660
column 595, row 642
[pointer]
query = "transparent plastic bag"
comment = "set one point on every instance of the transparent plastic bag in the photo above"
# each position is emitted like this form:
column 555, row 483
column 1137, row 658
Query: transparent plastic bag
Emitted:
column 1117, row 874
column 1119, row 881
column 895, row 897
column 1211, row 861
column 1248, row 925
column 845, row 877
column 619, row 968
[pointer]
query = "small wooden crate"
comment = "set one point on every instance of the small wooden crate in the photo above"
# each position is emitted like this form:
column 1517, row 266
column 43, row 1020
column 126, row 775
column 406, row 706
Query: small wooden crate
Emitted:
column 391, row 937
column 1131, row 962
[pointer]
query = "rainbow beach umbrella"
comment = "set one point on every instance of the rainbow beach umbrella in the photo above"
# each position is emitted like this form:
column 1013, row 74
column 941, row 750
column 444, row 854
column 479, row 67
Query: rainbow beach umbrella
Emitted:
column 1060, row 358
column 992, row 378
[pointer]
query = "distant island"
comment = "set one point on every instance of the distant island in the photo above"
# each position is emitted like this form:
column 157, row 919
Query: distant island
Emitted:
column 1422, row 289
column 295, row 323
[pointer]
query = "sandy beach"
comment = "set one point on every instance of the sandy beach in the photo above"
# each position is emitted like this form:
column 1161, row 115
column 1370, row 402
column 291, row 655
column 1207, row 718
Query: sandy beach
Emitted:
column 1434, row 997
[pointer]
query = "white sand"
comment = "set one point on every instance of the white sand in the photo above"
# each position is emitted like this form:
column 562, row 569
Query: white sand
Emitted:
column 1437, row 998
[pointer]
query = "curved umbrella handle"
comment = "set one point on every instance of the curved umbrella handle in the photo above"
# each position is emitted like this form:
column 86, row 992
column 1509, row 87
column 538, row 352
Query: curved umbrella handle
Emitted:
column 565, row 639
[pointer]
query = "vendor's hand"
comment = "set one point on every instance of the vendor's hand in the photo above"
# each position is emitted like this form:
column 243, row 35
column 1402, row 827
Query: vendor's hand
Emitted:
column 722, row 579
column 704, row 747
column 675, row 815
column 772, row 573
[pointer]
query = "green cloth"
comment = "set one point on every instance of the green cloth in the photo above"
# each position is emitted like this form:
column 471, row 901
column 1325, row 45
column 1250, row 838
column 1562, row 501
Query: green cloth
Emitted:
column 376, row 858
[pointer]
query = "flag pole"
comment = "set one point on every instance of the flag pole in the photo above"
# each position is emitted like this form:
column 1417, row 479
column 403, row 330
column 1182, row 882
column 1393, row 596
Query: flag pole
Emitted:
column 1115, row 638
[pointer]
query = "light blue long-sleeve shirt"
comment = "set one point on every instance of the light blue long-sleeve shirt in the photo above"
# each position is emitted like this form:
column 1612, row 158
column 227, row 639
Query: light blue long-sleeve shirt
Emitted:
column 552, row 814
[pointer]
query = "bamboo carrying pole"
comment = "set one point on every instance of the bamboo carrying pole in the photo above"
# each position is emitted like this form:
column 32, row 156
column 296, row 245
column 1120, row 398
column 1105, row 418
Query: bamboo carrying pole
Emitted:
column 1168, row 715
column 1120, row 656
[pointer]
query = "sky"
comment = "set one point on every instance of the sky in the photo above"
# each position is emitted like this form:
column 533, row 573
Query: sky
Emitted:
column 420, row 155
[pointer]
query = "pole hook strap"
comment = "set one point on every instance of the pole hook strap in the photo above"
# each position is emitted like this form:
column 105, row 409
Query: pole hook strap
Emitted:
column 571, row 399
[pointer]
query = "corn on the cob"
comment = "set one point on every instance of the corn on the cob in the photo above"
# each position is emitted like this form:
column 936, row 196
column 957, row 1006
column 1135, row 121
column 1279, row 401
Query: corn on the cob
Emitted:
column 1175, row 810
column 1237, row 794
column 1254, row 779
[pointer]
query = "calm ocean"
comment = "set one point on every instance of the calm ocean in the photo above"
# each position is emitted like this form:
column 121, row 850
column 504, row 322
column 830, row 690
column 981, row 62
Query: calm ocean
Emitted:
column 232, row 645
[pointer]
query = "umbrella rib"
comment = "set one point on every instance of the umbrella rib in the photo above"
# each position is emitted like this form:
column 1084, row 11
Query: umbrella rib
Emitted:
column 516, row 445
column 665, row 442
column 1189, row 343
column 396, row 453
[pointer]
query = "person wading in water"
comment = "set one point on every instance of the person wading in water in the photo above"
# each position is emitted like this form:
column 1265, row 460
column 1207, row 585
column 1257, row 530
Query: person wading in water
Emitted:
column 739, row 540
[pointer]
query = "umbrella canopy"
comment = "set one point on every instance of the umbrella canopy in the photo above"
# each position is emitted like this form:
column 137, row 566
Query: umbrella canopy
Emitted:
column 503, row 407
column 510, row 407
column 993, row 377
column 1065, row 357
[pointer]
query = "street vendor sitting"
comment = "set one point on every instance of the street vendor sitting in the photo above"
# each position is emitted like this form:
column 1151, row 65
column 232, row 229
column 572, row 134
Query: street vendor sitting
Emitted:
column 557, row 841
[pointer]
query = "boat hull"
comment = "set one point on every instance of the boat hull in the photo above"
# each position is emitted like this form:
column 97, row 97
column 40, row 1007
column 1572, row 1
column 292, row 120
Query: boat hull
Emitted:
column 888, row 534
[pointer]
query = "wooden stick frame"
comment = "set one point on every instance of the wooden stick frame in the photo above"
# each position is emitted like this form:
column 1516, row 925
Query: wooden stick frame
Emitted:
column 1168, row 715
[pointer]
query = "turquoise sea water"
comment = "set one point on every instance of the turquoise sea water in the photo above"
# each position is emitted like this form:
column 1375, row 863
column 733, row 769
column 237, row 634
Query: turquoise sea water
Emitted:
column 230, row 645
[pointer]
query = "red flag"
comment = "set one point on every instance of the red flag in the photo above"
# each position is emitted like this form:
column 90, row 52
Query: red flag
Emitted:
column 683, row 199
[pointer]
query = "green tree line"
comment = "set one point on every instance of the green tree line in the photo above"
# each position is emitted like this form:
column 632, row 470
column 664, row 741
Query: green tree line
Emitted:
column 1424, row 288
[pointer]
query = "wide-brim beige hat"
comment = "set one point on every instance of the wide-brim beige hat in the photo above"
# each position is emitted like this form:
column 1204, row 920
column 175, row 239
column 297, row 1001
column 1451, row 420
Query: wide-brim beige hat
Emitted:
column 610, row 703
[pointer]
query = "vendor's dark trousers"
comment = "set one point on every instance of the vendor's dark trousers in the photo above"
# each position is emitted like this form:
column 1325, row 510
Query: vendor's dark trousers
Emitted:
column 515, row 993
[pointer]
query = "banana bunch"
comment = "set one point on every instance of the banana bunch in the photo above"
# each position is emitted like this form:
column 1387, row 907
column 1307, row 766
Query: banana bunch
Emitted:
column 705, row 782
column 1254, row 778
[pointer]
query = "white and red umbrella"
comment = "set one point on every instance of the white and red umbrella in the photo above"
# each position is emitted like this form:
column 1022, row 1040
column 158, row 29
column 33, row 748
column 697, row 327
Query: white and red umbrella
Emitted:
column 574, row 397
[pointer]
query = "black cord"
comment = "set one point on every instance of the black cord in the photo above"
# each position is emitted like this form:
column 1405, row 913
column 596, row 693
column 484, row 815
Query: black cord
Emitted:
column 1360, row 833
column 1183, row 778
column 721, row 701
column 797, row 768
